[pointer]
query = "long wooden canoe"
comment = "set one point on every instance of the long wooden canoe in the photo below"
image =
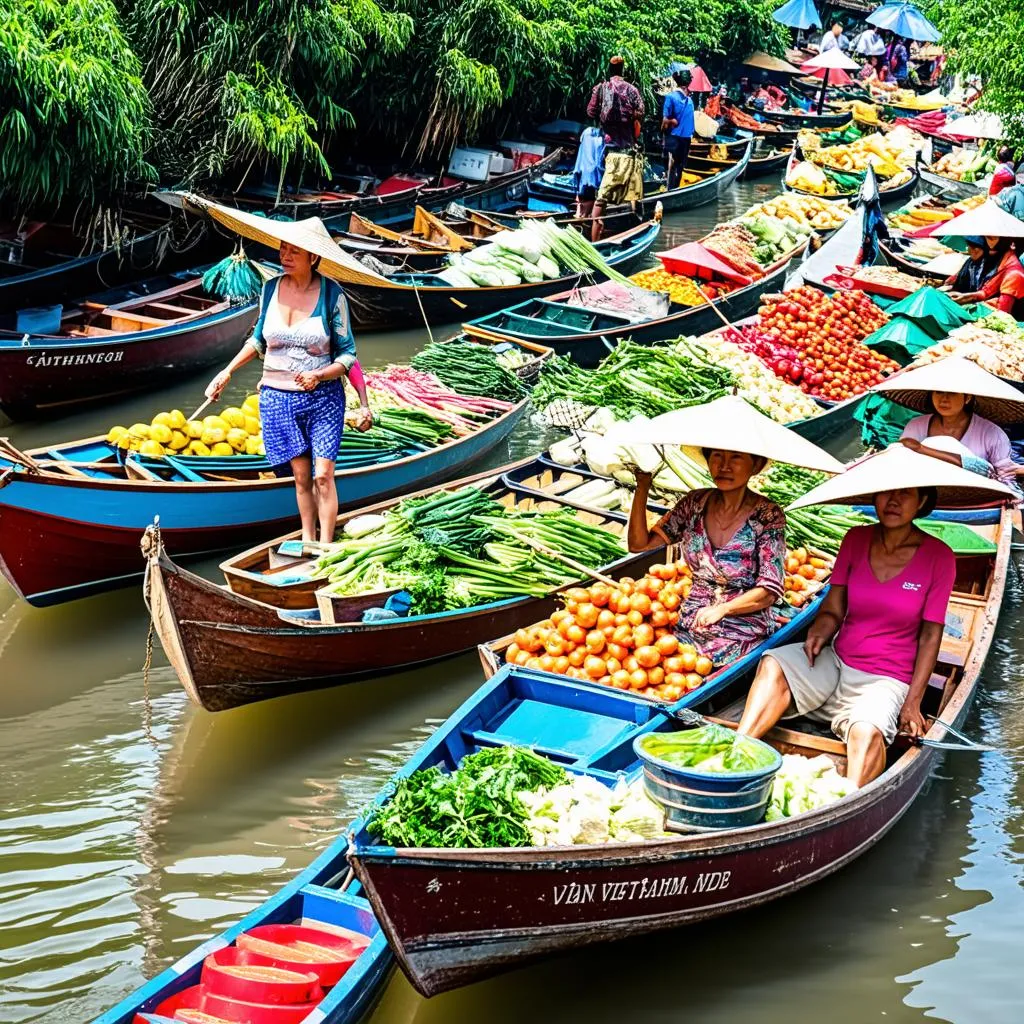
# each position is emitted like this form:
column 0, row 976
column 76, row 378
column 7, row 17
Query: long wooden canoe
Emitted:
column 586, row 335
column 791, row 119
column 230, row 648
column 406, row 300
column 71, row 515
column 940, row 184
column 454, row 917
column 111, row 343
column 887, row 195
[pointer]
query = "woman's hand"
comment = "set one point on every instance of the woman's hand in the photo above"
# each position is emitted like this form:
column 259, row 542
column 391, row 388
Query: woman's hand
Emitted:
column 912, row 443
column 363, row 419
column 814, row 645
column 709, row 616
column 216, row 386
column 307, row 380
column 912, row 722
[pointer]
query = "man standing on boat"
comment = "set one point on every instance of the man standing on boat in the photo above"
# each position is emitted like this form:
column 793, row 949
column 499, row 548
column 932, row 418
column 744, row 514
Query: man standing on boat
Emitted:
column 618, row 107
column 677, row 127
column 834, row 38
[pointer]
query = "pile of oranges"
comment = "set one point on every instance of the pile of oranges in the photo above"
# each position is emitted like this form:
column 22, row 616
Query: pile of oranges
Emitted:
column 619, row 636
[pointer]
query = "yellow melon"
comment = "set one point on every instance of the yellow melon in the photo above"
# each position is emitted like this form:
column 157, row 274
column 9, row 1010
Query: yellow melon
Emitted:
column 115, row 434
column 253, row 445
column 198, row 448
column 178, row 441
column 139, row 430
column 233, row 416
column 163, row 419
column 237, row 438
column 251, row 405
column 152, row 448
column 176, row 419
column 194, row 429
column 213, row 435
column 160, row 432
column 216, row 422
column 252, row 424
column 222, row 448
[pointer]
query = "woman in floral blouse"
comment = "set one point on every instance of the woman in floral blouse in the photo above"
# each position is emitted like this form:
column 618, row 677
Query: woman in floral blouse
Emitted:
column 734, row 543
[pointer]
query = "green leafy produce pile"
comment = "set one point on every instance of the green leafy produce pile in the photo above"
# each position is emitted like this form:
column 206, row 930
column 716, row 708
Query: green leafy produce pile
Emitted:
column 474, row 806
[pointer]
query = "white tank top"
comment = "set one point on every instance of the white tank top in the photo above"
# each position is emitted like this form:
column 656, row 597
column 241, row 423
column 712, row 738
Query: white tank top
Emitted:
column 290, row 349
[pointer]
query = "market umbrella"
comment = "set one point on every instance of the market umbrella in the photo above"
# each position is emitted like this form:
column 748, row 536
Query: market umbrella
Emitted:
column 766, row 62
column 988, row 219
column 898, row 467
column 799, row 14
column 836, row 76
column 993, row 397
column 976, row 126
column 933, row 311
column 310, row 234
column 729, row 424
column 830, row 61
column 904, row 19
column 699, row 81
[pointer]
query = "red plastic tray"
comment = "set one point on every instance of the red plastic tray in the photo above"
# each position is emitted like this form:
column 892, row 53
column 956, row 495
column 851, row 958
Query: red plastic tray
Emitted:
column 328, row 973
column 288, row 986
column 873, row 287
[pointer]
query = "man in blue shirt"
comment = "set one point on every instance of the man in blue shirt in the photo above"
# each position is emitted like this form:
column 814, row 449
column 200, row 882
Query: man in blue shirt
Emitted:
column 677, row 127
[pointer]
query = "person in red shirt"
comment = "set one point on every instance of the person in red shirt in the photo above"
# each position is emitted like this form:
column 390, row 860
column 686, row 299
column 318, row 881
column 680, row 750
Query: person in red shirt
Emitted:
column 1005, row 286
column 1004, row 175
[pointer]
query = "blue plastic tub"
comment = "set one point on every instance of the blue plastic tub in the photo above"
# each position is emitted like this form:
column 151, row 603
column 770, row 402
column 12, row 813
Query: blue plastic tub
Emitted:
column 704, row 801
column 39, row 320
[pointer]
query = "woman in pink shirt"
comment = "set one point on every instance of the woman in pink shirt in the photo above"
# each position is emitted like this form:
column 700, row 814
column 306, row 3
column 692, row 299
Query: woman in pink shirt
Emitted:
column 871, row 650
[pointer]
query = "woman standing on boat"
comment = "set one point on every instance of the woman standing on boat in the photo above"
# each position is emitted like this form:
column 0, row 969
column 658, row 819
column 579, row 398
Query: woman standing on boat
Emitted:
column 734, row 543
column 871, row 650
column 304, row 336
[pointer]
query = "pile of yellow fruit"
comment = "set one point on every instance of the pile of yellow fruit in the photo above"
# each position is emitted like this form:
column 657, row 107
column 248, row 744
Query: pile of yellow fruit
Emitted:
column 680, row 289
column 810, row 210
column 234, row 431
column 888, row 154
column 929, row 211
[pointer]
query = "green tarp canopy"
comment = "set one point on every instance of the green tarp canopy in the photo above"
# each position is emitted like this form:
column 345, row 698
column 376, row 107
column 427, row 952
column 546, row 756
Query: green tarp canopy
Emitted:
column 881, row 421
column 932, row 310
column 902, row 339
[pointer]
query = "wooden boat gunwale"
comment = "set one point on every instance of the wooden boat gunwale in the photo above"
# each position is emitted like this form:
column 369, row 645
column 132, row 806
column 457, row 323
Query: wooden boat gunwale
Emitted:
column 960, row 189
column 443, row 957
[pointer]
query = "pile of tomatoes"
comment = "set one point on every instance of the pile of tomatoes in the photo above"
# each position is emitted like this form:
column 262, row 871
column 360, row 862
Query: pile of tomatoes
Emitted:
column 620, row 637
column 826, row 333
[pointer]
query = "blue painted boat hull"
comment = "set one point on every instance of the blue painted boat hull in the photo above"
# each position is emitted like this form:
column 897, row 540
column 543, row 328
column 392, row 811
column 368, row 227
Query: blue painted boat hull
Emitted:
column 63, row 537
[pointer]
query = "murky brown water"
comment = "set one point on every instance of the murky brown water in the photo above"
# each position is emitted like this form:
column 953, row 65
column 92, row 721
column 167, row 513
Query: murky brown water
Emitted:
column 133, row 825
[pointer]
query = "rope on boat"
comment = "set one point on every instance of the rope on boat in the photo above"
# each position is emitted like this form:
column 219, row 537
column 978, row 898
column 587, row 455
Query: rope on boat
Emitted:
column 419, row 302
column 150, row 545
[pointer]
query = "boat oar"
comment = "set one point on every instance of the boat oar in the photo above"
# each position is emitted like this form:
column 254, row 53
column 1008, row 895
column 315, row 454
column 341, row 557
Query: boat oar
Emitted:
column 201, row 409
column 966, row 743
column 721, row 316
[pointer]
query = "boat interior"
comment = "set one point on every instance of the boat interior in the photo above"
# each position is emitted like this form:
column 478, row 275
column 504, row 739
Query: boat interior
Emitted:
column 143, row 306
column 280, row 574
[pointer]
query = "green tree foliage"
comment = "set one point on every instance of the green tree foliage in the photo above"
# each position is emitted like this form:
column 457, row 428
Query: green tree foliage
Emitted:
column 987, row 39
column 235, row 83
column 75, row 113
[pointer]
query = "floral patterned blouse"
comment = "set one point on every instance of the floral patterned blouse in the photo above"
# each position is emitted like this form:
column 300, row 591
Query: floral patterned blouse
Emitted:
column 753, row 557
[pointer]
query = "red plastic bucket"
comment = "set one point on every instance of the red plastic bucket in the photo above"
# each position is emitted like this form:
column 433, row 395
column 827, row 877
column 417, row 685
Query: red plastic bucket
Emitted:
column 235, row 974
column 281, row 945
column 198, row 1006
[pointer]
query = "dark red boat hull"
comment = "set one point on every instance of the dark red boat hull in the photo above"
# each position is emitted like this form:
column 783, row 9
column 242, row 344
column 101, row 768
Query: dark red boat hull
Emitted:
column 438, row 911
column 46, row 379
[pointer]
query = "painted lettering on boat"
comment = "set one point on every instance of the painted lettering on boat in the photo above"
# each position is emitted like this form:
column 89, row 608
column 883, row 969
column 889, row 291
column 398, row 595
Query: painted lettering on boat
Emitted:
column 75, row 359
column 641, row 888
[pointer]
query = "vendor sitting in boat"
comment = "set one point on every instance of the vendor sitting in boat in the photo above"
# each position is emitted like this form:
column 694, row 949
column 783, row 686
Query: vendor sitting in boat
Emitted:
column 976, row 271
column 1004, row 288
column 871, row 650
column 734, row 543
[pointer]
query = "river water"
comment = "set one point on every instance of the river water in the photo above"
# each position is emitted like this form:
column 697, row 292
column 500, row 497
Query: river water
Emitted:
column 134, row 825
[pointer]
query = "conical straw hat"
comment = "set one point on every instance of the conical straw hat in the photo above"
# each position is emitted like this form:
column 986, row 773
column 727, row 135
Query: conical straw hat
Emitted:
column 993, row 397
column 988, row 219
column 310, row 234
column 898, row 467
column 729, row 424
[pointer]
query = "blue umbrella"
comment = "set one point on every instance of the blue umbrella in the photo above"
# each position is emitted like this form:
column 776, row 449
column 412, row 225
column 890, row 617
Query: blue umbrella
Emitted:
column 905, row 20
column 798, row 14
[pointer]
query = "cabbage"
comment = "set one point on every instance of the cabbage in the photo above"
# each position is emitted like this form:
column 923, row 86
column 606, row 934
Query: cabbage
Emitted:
column 804, row 784
column 549, row 268
column 523, row 243
column 456, row 277
column 486, row 277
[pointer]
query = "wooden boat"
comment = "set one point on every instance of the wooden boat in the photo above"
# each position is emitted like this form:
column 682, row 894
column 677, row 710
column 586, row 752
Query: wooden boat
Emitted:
column 889, row 195
column 940, row 184
column 425, row 246
column 891, row 250
column 110, row 344
column 46, row 262
column 768, row 162
column 324, row 897
column 586, row 334
column 792, row 119
column 405, row 300
column 71, row 515
column 253, row 640
column 455, row 916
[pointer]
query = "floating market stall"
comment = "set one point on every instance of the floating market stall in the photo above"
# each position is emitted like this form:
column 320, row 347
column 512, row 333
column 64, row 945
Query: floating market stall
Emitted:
column 71, row 515
column 702, row 867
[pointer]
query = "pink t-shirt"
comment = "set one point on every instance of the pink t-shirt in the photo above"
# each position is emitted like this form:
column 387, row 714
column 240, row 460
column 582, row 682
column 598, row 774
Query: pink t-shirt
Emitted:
column 879, row 633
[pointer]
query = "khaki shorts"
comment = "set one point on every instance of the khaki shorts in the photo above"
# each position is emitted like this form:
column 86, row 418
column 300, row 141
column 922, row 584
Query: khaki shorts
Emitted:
column 623, row 180
column 829, row 691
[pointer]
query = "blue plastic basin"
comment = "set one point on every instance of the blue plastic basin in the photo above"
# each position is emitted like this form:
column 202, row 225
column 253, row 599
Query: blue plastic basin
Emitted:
column 706, row 801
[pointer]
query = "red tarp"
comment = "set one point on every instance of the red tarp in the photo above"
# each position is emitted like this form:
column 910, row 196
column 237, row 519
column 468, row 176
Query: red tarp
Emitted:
column 693, row 260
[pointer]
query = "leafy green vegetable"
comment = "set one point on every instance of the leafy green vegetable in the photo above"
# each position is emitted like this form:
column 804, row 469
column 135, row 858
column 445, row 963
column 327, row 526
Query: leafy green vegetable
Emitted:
column 475, row 806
